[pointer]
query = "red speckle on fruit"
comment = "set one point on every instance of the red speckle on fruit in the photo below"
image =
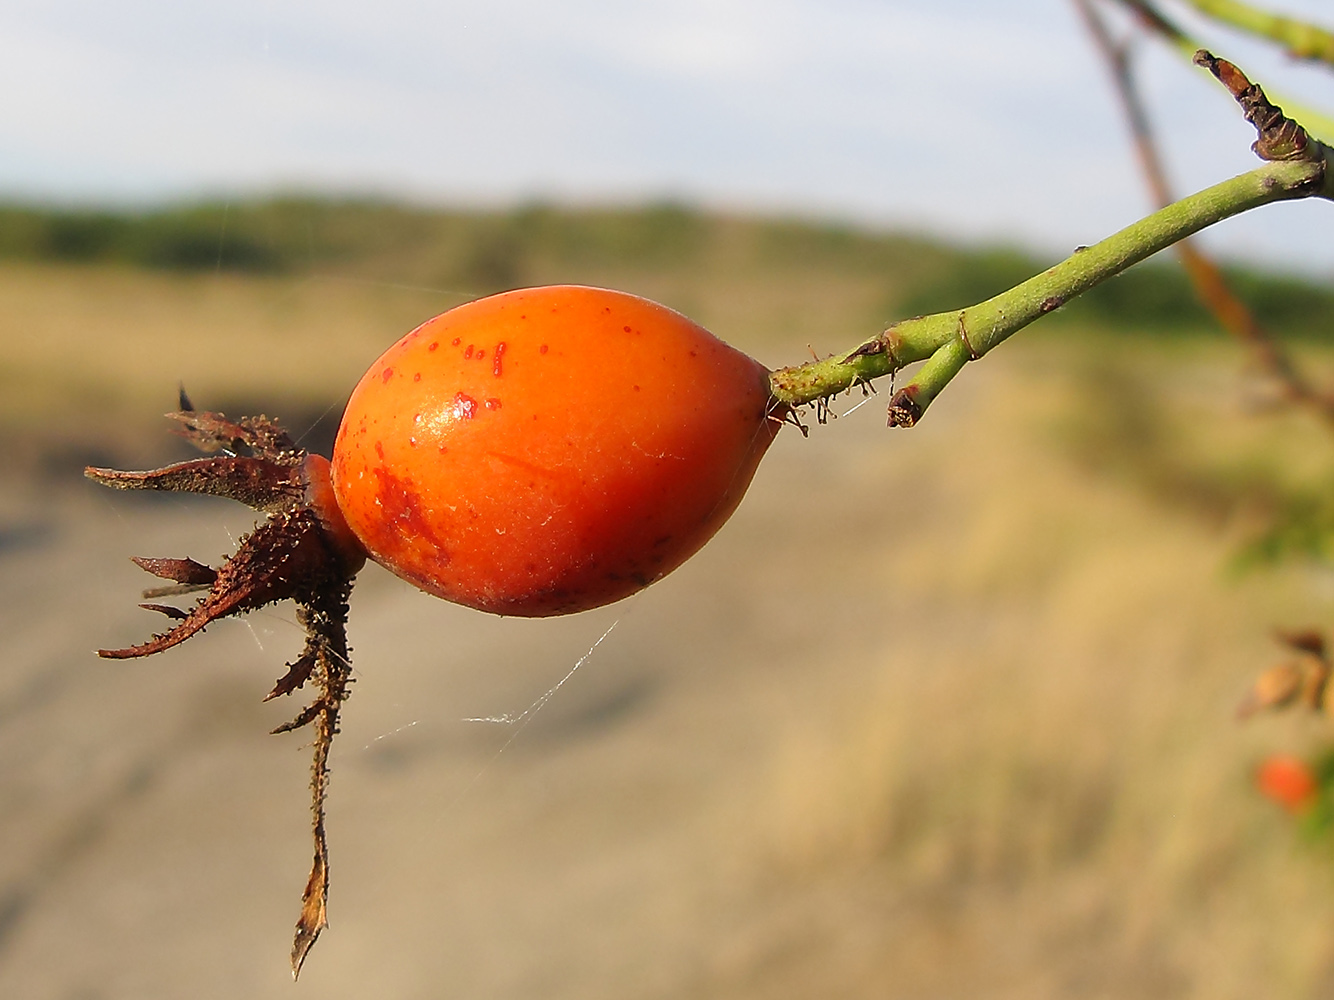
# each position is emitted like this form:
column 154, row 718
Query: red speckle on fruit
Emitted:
column 465, row 407
column 434, row 345
column 625, row 329
column 455, row 342
column 379, row 450
column 636, row 388
column 412, row 442
column 493, row 404
column 500, row 353
column 386, row 375
column 417, row 377
column 468, row 352
column 542, row 349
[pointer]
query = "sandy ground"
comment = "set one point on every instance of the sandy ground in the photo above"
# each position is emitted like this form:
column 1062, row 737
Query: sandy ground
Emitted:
column 936, row 715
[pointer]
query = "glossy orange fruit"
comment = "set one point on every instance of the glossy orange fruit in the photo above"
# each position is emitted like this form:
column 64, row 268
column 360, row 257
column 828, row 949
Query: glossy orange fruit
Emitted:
column 549, row 450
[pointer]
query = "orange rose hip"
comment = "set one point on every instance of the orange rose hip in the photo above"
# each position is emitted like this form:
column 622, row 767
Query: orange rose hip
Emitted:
column 549, row 450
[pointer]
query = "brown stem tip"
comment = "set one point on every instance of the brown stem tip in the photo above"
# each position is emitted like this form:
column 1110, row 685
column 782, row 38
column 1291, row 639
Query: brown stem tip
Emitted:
column 904, row 410
column 1280, row 138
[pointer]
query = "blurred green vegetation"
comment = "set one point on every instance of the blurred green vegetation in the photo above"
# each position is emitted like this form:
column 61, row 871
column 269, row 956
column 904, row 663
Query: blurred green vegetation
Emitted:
column 1155, row 297
column 1317, row 823
column 489, row 251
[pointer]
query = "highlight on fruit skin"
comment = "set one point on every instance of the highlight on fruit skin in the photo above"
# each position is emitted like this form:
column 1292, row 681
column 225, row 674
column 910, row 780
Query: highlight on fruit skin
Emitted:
column 539, row 452
column 1289, row 781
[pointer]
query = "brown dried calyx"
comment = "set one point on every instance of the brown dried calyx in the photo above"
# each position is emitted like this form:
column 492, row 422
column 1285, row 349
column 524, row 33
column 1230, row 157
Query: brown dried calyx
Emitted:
column 304, row 552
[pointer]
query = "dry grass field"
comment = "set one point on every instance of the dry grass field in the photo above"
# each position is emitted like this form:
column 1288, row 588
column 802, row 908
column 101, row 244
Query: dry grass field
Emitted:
column 941, row 713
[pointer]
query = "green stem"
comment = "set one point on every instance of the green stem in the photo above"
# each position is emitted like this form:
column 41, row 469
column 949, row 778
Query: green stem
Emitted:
column 908, row 404
column 1303, row 41
column 951, row 339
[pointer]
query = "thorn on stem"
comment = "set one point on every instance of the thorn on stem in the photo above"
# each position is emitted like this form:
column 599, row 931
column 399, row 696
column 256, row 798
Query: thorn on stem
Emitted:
column 791, row 417
column 867, row 350
column 963, row 337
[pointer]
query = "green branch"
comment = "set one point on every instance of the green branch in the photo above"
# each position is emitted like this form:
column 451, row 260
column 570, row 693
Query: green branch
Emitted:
column 952, row 339
column 1299, row 167
column 1303, row 41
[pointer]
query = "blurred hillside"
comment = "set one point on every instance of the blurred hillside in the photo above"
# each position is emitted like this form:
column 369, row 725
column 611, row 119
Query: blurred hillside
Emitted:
column 490, row 251
column 279, row 305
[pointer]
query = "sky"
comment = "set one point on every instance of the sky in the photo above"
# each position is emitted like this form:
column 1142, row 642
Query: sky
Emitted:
column 977, row 120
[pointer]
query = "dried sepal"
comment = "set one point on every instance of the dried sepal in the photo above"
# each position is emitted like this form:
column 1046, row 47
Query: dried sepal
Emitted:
column 298, row 672
column 256, row 482
column 185, row 571
column 168, row 610
column 273, row 563
column 259, row 436
column 295, row 555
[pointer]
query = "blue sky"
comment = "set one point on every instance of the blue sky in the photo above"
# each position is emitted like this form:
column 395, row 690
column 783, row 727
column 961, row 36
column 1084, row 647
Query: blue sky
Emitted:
column 977, row 120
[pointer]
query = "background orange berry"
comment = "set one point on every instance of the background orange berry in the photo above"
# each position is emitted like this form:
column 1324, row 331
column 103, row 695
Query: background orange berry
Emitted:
column 1287, row 780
